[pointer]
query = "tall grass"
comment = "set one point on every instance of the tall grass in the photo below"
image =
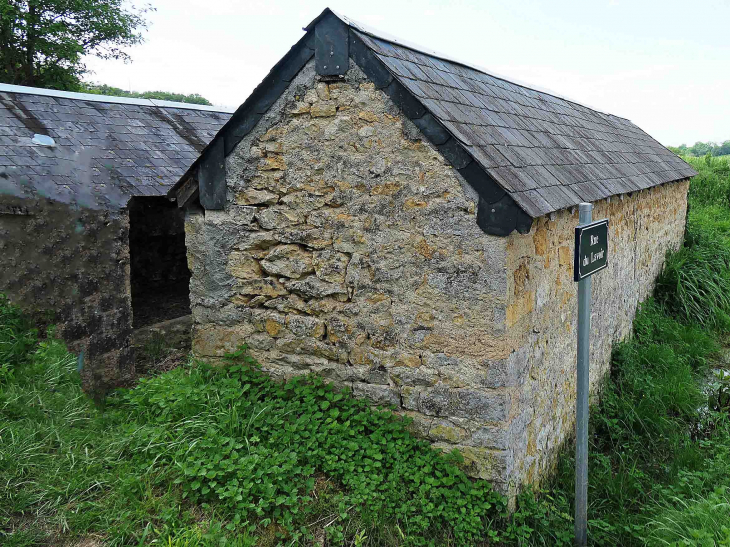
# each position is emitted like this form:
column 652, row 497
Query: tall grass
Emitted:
column 695, row 283
column 659, row 455
column 711, row 186
column 703, row 519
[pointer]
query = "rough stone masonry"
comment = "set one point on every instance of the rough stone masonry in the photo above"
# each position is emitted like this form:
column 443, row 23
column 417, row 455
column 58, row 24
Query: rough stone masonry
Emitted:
column 348, row 247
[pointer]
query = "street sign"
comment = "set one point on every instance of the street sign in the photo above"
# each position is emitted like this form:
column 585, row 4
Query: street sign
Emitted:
column 591, row 249
column 591, row 256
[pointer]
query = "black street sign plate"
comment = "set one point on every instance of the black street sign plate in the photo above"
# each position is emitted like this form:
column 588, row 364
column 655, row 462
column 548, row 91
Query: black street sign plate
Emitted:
column 591, row 249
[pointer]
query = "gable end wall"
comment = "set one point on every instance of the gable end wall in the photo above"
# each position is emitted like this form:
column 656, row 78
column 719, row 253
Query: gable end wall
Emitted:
column 349, row 247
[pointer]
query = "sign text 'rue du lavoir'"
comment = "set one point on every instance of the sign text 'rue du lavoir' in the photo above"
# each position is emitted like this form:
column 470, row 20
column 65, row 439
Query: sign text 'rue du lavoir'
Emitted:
column 591, row 249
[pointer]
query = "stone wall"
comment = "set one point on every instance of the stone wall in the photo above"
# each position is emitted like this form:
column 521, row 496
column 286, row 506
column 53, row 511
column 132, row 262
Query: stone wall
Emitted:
column 542, row 309
column 70, row 266
column 349, row 247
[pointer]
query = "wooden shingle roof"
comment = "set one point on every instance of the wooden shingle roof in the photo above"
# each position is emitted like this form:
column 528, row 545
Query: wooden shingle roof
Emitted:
column 526, row 152
column 547, row 152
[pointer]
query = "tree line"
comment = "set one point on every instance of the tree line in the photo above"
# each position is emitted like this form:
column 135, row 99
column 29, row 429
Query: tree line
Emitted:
column 699, row 149
column 43, row 43
column 103, row 89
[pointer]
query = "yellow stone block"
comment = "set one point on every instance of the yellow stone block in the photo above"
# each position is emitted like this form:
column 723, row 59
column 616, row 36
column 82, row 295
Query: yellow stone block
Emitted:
column 521, row 277
column 273, row 328
column 368, row 116
column 564, row 258
column 423, row 248
column 387, row 189
column 272, row 163
column 323, row 110
column 520, row 307
column 242, row 266
column 414, row 203
column 540, row 239
column 408, row 360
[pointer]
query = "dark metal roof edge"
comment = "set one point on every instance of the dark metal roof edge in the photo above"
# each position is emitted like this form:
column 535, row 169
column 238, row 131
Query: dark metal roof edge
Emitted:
column 325, row 12
column 288, row 66
column 500, row 214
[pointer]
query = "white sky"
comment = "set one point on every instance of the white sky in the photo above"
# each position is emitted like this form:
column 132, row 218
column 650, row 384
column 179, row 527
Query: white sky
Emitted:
column 664, row 64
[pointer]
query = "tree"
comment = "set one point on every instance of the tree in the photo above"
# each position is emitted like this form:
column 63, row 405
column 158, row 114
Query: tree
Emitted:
column 42, row 42
column 103, row 89
column 701, row 148
column 724, row 149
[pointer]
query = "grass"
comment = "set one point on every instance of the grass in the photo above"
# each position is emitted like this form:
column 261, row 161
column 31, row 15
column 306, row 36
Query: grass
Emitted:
column 198, row 456
column 659, row 449
column 210, row 456
column 695, row 283
column 700, row 519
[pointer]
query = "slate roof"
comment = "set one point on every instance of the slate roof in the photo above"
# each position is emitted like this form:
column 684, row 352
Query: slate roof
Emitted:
column 107, row 149
column 549, row 153
column 525, row 151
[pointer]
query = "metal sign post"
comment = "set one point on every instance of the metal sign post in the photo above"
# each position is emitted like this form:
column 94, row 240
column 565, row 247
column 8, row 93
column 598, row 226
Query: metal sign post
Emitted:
column 591, row 256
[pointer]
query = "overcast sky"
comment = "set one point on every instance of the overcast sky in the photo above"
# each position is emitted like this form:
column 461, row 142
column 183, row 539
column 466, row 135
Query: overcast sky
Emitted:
column 664, row 64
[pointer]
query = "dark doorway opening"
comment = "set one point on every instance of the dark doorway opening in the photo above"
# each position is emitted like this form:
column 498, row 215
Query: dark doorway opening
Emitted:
column 159, row 273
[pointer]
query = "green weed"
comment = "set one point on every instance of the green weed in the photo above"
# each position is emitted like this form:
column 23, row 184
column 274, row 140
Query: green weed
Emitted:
column 210, row 456
column 16, row 338
column 254, row 447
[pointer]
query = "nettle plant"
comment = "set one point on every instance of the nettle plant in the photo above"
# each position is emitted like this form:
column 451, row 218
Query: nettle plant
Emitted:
column 255, row 448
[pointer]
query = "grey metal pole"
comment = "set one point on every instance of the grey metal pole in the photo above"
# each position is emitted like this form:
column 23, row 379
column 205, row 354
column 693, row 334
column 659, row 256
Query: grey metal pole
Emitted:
column 581, row 402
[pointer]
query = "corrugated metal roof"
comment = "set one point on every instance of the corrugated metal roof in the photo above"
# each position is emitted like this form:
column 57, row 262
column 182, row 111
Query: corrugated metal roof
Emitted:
column 107, row 149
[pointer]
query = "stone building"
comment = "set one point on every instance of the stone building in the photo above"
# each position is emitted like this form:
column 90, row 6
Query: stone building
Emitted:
column 88, row 239
column 402, row 224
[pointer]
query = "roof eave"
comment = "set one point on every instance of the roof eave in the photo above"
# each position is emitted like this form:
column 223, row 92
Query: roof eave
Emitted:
column 497, row 213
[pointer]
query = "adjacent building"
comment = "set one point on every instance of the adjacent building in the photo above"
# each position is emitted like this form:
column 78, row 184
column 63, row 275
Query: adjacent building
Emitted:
column 88, row 240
